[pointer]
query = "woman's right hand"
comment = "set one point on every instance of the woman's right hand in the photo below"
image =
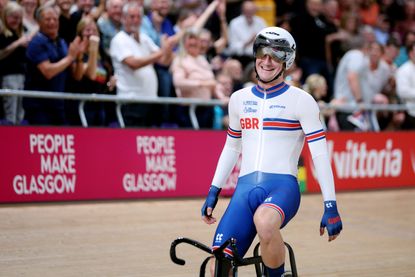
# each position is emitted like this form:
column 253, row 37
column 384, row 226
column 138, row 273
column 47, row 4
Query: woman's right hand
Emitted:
column 93, row 43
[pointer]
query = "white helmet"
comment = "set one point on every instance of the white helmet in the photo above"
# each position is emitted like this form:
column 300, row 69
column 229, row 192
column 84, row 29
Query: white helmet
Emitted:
column 279, row 41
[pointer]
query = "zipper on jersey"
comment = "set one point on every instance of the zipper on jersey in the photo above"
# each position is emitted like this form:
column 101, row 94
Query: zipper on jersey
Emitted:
column 260, row 152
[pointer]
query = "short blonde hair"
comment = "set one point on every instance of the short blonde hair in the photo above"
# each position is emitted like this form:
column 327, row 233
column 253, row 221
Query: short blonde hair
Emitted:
column 314, row 81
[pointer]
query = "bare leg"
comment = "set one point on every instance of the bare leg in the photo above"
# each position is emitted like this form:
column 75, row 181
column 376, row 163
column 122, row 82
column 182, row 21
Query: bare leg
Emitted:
column 267, row 222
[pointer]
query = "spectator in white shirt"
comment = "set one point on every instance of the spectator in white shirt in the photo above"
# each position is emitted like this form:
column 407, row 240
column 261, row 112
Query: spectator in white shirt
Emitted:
column 133, row 54
column 405, row 86
column 242, row 32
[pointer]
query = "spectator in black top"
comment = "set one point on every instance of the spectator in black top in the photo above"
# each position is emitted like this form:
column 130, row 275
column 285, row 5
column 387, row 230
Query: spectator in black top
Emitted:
column 95, row 73
column 84, row 8
column 13, row 45
column 310, row 29
column 66, row 26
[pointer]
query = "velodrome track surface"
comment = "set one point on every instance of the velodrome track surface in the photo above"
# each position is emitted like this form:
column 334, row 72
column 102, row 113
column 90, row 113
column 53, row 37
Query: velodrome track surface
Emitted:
column 132, row 238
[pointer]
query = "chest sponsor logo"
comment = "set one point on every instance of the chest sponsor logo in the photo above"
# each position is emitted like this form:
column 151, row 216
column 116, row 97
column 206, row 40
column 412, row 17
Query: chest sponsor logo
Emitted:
column 277, row 107
column 250, row 110
column 250, row 103
column 249, row 123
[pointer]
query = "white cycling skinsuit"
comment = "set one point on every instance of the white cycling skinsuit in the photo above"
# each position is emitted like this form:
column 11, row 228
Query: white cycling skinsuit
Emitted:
column 268, row 128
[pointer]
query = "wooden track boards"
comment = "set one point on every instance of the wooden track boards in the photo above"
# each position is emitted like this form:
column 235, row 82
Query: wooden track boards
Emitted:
column 132, row 238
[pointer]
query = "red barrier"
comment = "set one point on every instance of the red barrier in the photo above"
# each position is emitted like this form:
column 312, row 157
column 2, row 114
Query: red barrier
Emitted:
column 57, row 164
column 369, row 160
column 47, row 164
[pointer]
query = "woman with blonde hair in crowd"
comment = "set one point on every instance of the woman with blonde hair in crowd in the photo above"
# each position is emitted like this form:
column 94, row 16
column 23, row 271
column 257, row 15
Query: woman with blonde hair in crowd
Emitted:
column 193, row 77
column 13, row 43
column 316, row 85
column 29, row 21
column 95, row 73
column 2, row 5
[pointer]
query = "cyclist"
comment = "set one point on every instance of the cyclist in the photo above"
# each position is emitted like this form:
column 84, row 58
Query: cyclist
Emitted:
column 268, row 124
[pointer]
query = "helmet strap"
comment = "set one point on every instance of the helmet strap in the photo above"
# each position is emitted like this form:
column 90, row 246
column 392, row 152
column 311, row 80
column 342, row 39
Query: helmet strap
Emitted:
column 273, row 79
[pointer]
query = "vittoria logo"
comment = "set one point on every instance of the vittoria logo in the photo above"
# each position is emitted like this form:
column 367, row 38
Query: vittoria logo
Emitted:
column 359, row 161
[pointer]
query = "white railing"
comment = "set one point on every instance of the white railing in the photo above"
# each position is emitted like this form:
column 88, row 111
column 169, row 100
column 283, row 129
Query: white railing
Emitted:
column 118, row 100
column 191, row 102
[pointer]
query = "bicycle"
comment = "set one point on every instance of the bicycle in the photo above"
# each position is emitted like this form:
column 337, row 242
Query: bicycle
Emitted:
column 223, row 264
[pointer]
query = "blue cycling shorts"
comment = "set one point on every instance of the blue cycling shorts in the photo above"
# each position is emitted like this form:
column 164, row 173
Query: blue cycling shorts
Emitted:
column 277, row 191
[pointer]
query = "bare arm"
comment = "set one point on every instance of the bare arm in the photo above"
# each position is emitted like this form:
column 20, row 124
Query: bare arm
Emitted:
column 78, row 68
column 353, row 79
column 50, row 70
column 167, row 44
column 91, row 67
column 99, row 10
column 138, row 62
column 201, row 20
column 327, row 45
column 221, row 43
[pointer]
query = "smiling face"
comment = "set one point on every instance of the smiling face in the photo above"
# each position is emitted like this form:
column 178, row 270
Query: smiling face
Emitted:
column 14, row 20
column 49, row 22
column 267, row 68
column 161, row 6
column 114, row 10
column 132, row 18
column 192, row 45
column 65, row 5
column 90, row 29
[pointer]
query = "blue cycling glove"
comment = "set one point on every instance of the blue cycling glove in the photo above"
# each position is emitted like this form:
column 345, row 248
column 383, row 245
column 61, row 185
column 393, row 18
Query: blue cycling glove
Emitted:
column 211, row 200
column 331, row 218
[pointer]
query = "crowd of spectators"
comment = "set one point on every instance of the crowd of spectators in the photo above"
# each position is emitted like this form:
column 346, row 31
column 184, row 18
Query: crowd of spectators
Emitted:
column 348, row 52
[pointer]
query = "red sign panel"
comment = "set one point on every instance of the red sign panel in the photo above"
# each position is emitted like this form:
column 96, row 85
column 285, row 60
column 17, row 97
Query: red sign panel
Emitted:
column 57, row 164
column 46, row 164
column 369, row 160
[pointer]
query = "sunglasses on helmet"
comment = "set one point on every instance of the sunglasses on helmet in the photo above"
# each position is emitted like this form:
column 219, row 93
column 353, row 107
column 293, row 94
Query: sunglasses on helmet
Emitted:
column 276, row 53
